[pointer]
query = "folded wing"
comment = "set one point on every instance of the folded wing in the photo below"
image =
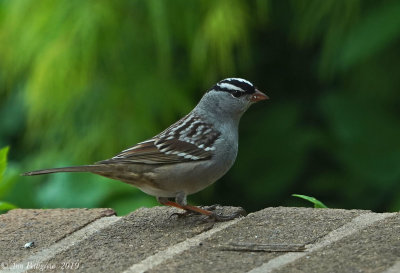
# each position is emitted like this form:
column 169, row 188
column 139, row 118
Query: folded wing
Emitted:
column 189, row 139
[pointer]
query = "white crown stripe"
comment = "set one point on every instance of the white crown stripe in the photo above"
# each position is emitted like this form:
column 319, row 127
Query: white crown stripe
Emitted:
column 240, row 80
column 230, row 86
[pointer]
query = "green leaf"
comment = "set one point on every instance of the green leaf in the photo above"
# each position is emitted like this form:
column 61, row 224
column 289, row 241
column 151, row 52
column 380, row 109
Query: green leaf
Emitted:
column 4, row 206
column 3, row 161
column 317, row 203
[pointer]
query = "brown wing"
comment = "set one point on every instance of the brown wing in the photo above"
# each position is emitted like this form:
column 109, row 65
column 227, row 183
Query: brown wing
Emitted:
column 189, row 139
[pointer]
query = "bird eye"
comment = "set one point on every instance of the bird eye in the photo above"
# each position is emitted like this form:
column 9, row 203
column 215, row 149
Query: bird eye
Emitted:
column 237, row 94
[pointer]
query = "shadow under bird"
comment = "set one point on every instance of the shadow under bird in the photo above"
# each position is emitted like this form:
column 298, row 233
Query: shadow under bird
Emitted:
column 189, row 155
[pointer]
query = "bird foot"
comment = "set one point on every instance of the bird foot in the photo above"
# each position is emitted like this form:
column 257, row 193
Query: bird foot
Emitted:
column 227, row 217
column 211, row 208
column 212, row 215
column 183, row 214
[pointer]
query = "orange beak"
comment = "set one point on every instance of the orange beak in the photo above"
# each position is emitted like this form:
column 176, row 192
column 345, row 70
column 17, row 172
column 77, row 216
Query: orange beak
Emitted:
column 258, row 95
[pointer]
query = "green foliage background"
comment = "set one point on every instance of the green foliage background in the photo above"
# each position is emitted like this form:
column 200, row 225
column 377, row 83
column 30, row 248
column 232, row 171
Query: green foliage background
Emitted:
column 82, row 80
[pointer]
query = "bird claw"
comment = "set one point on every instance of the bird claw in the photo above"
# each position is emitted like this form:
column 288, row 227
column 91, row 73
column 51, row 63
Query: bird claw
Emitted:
column 214, row 216
column 223, row 218
column 190, row 212
column 210, row 208
column 183, row 214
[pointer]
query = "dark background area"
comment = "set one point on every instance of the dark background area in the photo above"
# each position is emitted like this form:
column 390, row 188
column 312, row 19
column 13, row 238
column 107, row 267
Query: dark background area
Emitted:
column 82, row 80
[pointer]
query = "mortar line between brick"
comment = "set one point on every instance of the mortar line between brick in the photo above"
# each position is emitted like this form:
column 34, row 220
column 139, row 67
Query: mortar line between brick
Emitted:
column 355, row 225
column 160, row 257
column 48, row 253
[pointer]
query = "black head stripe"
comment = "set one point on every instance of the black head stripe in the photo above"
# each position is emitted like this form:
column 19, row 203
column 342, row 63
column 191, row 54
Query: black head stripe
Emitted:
column 235, row 85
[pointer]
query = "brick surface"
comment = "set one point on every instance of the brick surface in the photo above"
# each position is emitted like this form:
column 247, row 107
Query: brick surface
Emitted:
column 271, row 226
column 373, row 249
column 43, row 227
column 156, row 240
column 139, row 235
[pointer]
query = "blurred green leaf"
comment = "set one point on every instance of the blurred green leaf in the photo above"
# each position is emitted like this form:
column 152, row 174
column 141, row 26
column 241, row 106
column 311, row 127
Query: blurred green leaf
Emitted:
column 217, row 42
column 4, row 206
column 9, row 179
column 3, row 161
column 83, row 191
column 365, row 135
column 317, row 203
column 81, row 81
column 378, row 29
column 325, row 23
column 127, row 204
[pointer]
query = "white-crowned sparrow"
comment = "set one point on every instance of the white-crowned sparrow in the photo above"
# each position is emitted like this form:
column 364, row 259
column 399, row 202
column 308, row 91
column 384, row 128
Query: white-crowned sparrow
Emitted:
column 189, row 155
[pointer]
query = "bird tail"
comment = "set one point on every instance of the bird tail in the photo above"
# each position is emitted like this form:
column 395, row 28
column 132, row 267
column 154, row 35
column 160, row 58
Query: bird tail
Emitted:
column 83, row 168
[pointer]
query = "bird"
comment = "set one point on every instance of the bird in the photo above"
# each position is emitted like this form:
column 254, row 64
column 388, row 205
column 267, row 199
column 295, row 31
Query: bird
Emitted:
column 189, row 155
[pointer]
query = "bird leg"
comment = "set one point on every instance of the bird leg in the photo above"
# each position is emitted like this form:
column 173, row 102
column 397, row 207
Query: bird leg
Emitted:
column 181, row 204
column 210, row 214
